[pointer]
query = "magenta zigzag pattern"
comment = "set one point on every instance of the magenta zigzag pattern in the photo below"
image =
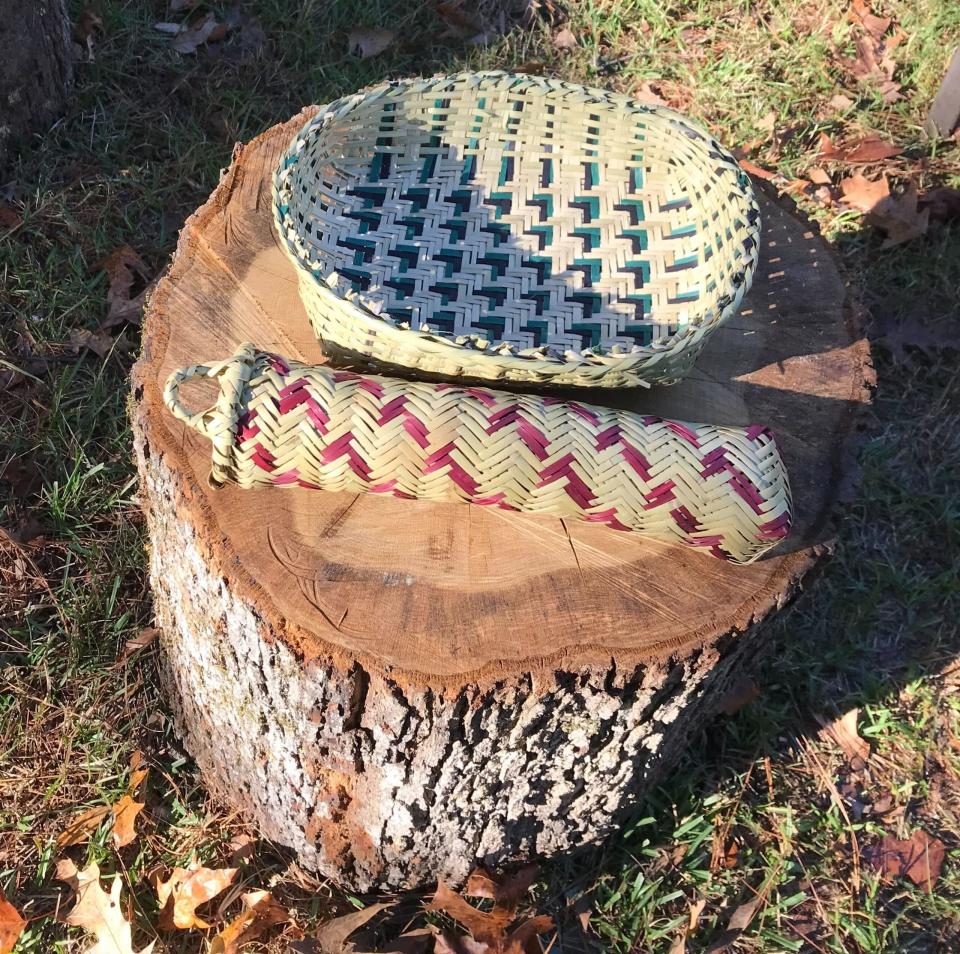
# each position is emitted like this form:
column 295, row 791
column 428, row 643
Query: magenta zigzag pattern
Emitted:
column 720, row 489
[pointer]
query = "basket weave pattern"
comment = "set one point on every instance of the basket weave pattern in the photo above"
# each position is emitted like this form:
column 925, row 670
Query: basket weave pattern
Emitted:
column 515, row 228
column 279, row 422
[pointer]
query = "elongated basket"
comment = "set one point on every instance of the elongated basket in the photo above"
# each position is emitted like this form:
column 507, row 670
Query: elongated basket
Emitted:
column 722, row 489
column 515, row 228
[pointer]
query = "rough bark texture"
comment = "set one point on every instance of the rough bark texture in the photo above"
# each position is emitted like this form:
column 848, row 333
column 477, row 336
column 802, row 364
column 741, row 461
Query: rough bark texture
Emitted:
column 381, row 785
column 397, row 689
column 36, row 59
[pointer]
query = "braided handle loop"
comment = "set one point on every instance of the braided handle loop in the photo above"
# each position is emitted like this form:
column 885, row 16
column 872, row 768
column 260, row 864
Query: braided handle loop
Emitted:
column 199, row 420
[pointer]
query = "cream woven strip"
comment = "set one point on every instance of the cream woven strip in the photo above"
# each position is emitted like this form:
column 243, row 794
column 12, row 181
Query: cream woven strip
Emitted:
column 723, row 489
column 515, row 228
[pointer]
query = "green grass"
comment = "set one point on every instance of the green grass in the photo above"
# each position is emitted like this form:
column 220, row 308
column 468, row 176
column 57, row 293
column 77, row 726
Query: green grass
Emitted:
column 142, row 146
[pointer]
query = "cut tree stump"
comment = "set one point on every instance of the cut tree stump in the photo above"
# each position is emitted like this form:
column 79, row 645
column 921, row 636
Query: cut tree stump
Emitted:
column 398, row 689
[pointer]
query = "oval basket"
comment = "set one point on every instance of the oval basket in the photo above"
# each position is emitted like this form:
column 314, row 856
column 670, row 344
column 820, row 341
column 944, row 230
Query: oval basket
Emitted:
column 499, row 227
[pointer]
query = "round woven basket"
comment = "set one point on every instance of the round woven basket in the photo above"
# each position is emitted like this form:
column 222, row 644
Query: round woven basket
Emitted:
column 499, row 227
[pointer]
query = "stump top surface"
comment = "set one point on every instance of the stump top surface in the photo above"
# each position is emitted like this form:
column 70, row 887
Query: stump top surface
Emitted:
column 446, row 591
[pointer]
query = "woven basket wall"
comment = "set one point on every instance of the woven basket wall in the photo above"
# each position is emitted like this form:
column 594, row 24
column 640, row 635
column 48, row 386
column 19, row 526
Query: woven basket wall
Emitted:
column 515, row 228
column 279, row 422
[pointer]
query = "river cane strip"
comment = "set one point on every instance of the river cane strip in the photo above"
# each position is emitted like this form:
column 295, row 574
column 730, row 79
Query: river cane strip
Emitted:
column 278, row 422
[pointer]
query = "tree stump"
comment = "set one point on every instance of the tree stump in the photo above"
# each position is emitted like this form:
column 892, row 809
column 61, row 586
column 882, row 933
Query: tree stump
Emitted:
column 398, row 689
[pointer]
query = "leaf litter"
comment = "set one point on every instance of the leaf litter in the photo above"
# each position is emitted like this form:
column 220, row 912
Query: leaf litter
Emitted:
column 11, row 925
column 97, row 912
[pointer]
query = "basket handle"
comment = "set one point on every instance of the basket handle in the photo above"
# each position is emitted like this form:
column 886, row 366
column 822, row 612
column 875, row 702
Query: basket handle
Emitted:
column 197, row 420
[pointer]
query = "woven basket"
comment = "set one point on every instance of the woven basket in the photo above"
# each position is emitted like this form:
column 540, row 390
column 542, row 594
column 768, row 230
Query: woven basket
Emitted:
column 722, row 489
column 514, row 228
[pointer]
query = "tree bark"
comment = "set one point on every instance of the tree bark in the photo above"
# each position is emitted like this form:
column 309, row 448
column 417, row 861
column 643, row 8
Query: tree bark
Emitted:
column 36, row 68
column 398, row 689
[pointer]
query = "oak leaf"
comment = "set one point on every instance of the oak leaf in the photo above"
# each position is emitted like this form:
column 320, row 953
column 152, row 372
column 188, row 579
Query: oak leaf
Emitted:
column 146, row 637
column 564, row 39
column 919, row 858
column 11, row 925
column 125, row 813
column 843, row 732
column 331, row 937
column 863, row 193
column 97, row 912
column 81, row 826
column 127, row 282
column 900, row 217
column 261, row 912
column 186, row 890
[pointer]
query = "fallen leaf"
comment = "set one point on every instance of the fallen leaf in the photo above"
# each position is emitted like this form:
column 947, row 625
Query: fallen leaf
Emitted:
column 819, row 176
column 645, row 93
column 741, row 691
column 128, row 279
column 82, row 826
column 261, row 912
column 84, row 30
column 756, row 170
column 459, row 19
column 188, row 39
column 843, row 731
column 480, row 884
column 366, row 43
column 332, row 936
column 446, row 942
column 839, row 101
column 125, row 813
column 491, row 930
column 919, row 858
column 767, row 122
column 412, row 942
column 98, row 912
column 11, row 925
column 564, row 39
column 943, row 203
column 863, row 193
column 864, row 150
column 146, row 637
column 870, row 150
column 9, row 218
column 899, row 217
column 186, row 890
column 95, row 341
column 911, row 333
column 860, row 13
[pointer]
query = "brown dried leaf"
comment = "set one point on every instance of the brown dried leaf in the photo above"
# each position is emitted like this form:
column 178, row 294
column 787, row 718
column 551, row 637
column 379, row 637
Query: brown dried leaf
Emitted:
column 919, row 858
column 480, row 884
column 943, row 203
column 863, row 193
column 95, row 341
column 332, row 937
column 412, row 942
column 366, row 43
column 98, row 912
column 459, row 18
column 860, row 13
column 126, row 272
column 525, row 938
column 82, row 826
column 841, row 102
column 447, row 943
column 913, row 333
column 188, row 38
column 11, row 925
column 146, row 637
column 564, row 39
column 125, row 813
column 899, row 217
column 843, row 732
column 756, row 170
column 488, row 927
column 870, row 150
column 9, row 218
column 261, row 912
column 819, row 176
column 186, row 890
column 646, row 93
column 740, row 693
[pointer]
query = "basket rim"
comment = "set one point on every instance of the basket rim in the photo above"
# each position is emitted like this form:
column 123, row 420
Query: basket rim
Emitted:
column 471, row 350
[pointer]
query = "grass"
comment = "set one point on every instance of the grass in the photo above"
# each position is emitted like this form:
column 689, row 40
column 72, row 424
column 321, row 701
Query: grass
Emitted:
column 147, row 132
